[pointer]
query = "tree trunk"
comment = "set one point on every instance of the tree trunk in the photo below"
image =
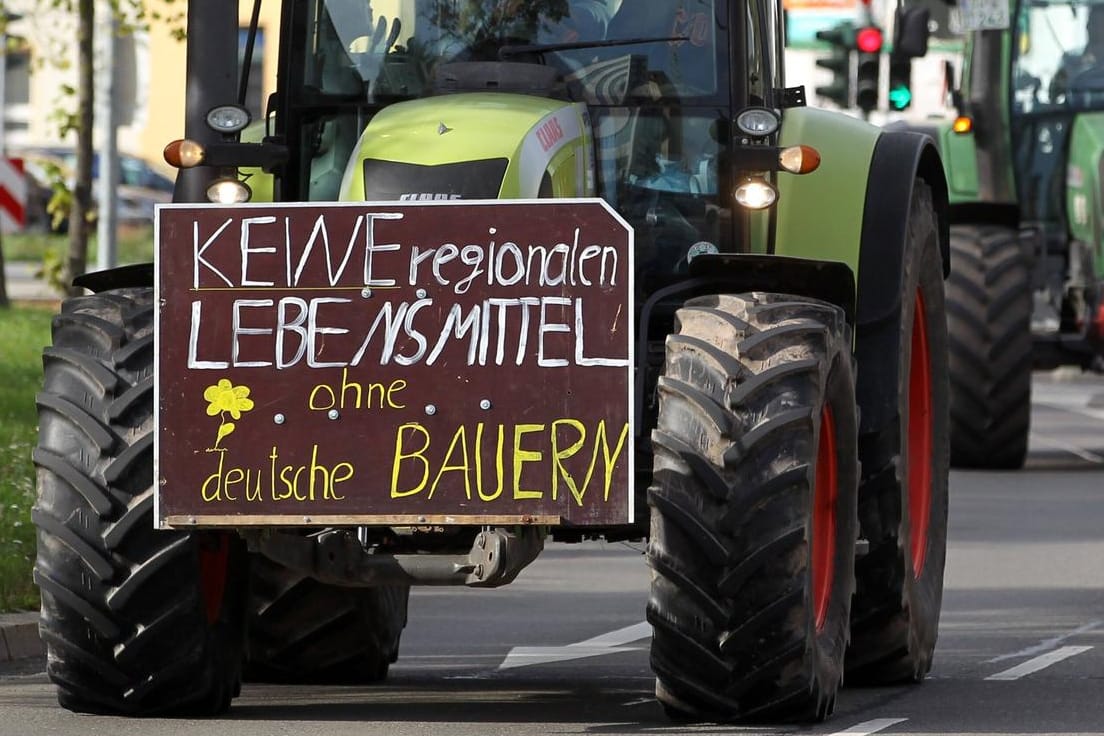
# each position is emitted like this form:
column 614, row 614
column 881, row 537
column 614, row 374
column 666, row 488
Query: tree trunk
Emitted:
column 82, row 188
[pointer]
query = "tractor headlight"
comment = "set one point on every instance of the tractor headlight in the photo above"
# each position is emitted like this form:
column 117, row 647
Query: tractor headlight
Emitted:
column 228, row 119
column 228, row 190
column 757, row 122
column 755, row 193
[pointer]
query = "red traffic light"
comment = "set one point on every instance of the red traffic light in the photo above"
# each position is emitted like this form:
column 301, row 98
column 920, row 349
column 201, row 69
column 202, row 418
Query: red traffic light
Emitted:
column 868, row 40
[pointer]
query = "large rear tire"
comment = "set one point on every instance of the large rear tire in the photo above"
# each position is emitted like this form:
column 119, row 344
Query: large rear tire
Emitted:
column 903, row 496
column 301, row 630
column 136, row 621
column 989, row 308
column 753, row 509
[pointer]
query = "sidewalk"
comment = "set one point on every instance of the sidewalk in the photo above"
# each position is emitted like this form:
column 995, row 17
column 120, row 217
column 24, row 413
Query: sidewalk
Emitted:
column 23, row 285
column 19, row 636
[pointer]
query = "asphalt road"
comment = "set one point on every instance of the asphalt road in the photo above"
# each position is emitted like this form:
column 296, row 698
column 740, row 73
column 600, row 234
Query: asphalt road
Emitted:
column 564, row 649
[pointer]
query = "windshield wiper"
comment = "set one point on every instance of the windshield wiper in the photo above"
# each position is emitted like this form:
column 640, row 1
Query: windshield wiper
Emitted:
column 537, row 48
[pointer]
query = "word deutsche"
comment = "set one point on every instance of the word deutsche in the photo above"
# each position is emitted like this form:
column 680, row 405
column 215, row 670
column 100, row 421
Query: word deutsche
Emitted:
column 279, row 482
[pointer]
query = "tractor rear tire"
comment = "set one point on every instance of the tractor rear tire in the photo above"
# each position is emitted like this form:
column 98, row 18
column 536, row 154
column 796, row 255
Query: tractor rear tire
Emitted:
column 903, row 495
column 753, row 509
column 304, row 631
column 989, row 308
column 136, row 621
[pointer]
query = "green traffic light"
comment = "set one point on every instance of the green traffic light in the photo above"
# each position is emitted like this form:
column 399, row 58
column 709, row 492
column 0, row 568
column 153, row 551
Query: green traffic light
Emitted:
column 900, row 97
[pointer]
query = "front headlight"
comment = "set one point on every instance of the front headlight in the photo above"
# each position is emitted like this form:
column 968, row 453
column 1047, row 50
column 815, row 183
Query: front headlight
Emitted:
column 228, row 119
column 228, row 190
column 755, row 193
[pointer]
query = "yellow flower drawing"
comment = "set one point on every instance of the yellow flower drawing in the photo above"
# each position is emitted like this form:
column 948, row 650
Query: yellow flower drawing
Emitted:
column 225, row 398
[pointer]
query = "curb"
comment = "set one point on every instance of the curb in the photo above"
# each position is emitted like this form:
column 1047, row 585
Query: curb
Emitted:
column 19, row 636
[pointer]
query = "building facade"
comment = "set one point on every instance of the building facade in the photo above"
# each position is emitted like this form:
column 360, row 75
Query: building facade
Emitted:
column 148, row 73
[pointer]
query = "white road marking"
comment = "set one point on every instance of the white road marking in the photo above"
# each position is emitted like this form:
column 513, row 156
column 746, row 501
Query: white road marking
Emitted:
column 1080, row 452
column 869, row 727
column 611, row 642
column 1041, row 662
column 1075, row 406
column 1047, row 644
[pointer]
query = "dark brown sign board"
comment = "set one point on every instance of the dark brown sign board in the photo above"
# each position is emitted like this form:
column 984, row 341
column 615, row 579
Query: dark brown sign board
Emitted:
column 386, row 363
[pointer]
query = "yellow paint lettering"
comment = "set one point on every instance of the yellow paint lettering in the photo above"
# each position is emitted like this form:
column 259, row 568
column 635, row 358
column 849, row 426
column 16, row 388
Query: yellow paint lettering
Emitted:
column 273, row 456
column 560, row 455
column 525, row 456
column 295, row 484
column 289, row 485
column 402, row 455
column 233, row 477
column 346, row 386
column 340, row 473
column 205, row 490
column 479, row 463
column 396, row 386
column 314, row 405
column 609, row 457
column 459, row 439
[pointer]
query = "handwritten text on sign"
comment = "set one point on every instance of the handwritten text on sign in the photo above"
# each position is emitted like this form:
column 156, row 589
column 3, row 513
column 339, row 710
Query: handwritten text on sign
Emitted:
column 365, row 360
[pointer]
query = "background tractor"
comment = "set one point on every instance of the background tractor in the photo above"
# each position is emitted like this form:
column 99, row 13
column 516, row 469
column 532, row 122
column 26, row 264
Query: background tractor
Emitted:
column 1023, row 162
column 763, row 293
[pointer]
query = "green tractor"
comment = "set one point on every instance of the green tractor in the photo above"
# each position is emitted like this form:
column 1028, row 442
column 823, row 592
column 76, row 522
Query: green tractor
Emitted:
column 511, row 272
column 1023, row 162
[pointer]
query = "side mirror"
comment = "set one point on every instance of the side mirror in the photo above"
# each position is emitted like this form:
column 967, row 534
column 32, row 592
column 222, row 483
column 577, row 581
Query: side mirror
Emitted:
column 949, row 87
column 911, row 32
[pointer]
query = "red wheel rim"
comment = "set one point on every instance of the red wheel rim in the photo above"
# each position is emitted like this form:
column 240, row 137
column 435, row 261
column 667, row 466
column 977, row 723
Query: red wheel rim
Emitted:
column 825, row 496
column 919, row 438
column 214, row 562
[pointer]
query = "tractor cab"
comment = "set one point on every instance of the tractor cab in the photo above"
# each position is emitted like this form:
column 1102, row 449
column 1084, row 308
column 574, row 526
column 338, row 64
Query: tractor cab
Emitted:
column 629, row 100
column 1057, row 85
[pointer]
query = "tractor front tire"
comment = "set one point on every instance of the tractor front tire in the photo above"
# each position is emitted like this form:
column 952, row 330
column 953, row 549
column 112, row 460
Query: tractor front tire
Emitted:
column 989, row 308
column 304, row 631
column 753, row 509
column 136, row 621
column 903, row 495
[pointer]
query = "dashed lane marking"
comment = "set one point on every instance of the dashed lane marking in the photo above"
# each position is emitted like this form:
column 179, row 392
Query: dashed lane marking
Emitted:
column 1072, row 449
column 1048, row 644
column 1038, row 663
column 869, row 727
column 611, row 642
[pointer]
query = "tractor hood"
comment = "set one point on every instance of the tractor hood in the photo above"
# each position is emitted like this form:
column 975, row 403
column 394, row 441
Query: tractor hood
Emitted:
column 472, row 146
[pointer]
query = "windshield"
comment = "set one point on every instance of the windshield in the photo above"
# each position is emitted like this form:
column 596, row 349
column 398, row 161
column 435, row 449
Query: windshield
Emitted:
column 1058, row 57
column 393, row 49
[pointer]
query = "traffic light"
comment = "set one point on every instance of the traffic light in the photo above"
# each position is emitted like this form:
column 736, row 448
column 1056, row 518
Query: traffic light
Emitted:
column 900, row 82
column 868, row 42
column 841, row 40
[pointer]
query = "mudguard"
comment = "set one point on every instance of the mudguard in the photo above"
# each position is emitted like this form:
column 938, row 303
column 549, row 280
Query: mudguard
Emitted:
column 881, row 262
column 1083, row 179
column 958, row 152
column 819, row 215
column 121, row 277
